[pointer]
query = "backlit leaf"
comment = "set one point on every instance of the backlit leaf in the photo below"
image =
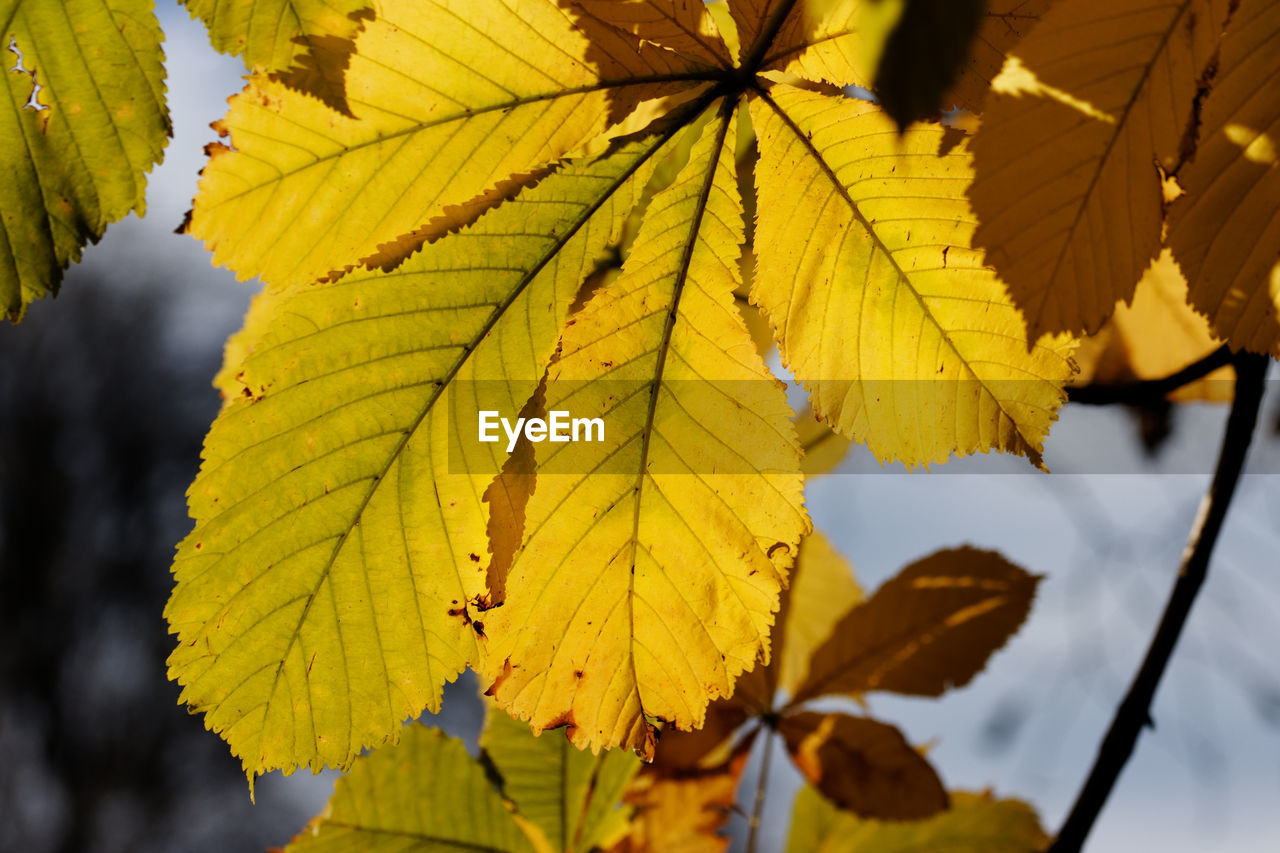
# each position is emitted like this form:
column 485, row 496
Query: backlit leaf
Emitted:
column 1225, row 230
column 336, row 574
column 863, row 766
column 571, row 796
column 424, row 793
column 1158, row 335
column 652, row 561
column 928, row 629
column 455, row 106
column 823, row 590
column 83, row 120
column 1068, row 193
column 903, row 337
column 975, row 823
column 685, row 811
column 306, row 43
column 685, row 26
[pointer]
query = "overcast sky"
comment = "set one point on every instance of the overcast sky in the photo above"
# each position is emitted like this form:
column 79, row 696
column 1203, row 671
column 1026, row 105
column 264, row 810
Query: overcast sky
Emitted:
column 1208, row 778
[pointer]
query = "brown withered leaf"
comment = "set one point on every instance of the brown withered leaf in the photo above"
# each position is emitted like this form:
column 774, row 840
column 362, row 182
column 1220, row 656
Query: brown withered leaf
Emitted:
column 930, row 628
column 924, row 56
column 863, row 766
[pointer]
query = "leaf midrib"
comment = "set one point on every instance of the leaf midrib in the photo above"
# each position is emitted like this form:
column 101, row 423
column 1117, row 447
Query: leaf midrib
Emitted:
column 889, row 255
column 498, row 312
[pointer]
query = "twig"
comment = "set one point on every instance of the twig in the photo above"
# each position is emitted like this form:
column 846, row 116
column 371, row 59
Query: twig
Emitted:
column 1150, row 390
column 762, row 784
column 1134, row 712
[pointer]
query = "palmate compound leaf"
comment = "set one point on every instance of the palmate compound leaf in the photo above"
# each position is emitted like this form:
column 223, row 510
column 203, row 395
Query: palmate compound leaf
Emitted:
column 929, row 628
column 455, row 105
column 1067, row 192
column 424, row 793
column 841, row 41
column 1225, row 231
column 905, row 340
column 568, row 799
column 336, row 574
column 326, row 593
column 305, row 43
column 975, row 823
column 652, row 561
column 83, row 120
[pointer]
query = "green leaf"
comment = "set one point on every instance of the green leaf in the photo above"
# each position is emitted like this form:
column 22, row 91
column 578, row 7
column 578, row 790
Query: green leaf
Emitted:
column 423, row 794
column 83, row 120
column 975, row 823
column 570, row 795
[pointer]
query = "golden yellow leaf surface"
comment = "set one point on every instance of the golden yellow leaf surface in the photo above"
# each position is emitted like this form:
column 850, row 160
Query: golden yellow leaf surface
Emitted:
column 683, row 811
column 904, row 338
column 823, row 589
column 1225, row 230
column 305, row 43
column 652, row 561
column 332, row 583
column 82, row 120
column 684, row 26
column 454, row 105
column 1067, row 190
column 1158, row 335
column 975, row 823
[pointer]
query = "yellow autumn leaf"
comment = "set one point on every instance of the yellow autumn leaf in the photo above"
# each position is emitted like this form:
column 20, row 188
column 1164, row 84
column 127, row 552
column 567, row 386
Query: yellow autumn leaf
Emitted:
column 333, row 581
column 424, row 793
column 1156, row 336
column 686, row 810
column 929, row 628
column 305, row 43
column 1068, row 193
column 824, row 448
column 684, row 26
column 652, row 560
column 975, row 823
column 573, row 798
column 904, row 338
column 454, row 106
column 1225, row 229
column 823, row 590
column 83, row 120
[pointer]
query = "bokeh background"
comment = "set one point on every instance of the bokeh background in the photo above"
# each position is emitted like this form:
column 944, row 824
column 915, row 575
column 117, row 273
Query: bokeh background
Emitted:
column 104, row 400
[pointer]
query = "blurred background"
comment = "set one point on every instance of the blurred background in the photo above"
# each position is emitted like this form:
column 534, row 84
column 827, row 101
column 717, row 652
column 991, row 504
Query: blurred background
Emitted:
column 105, row 398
